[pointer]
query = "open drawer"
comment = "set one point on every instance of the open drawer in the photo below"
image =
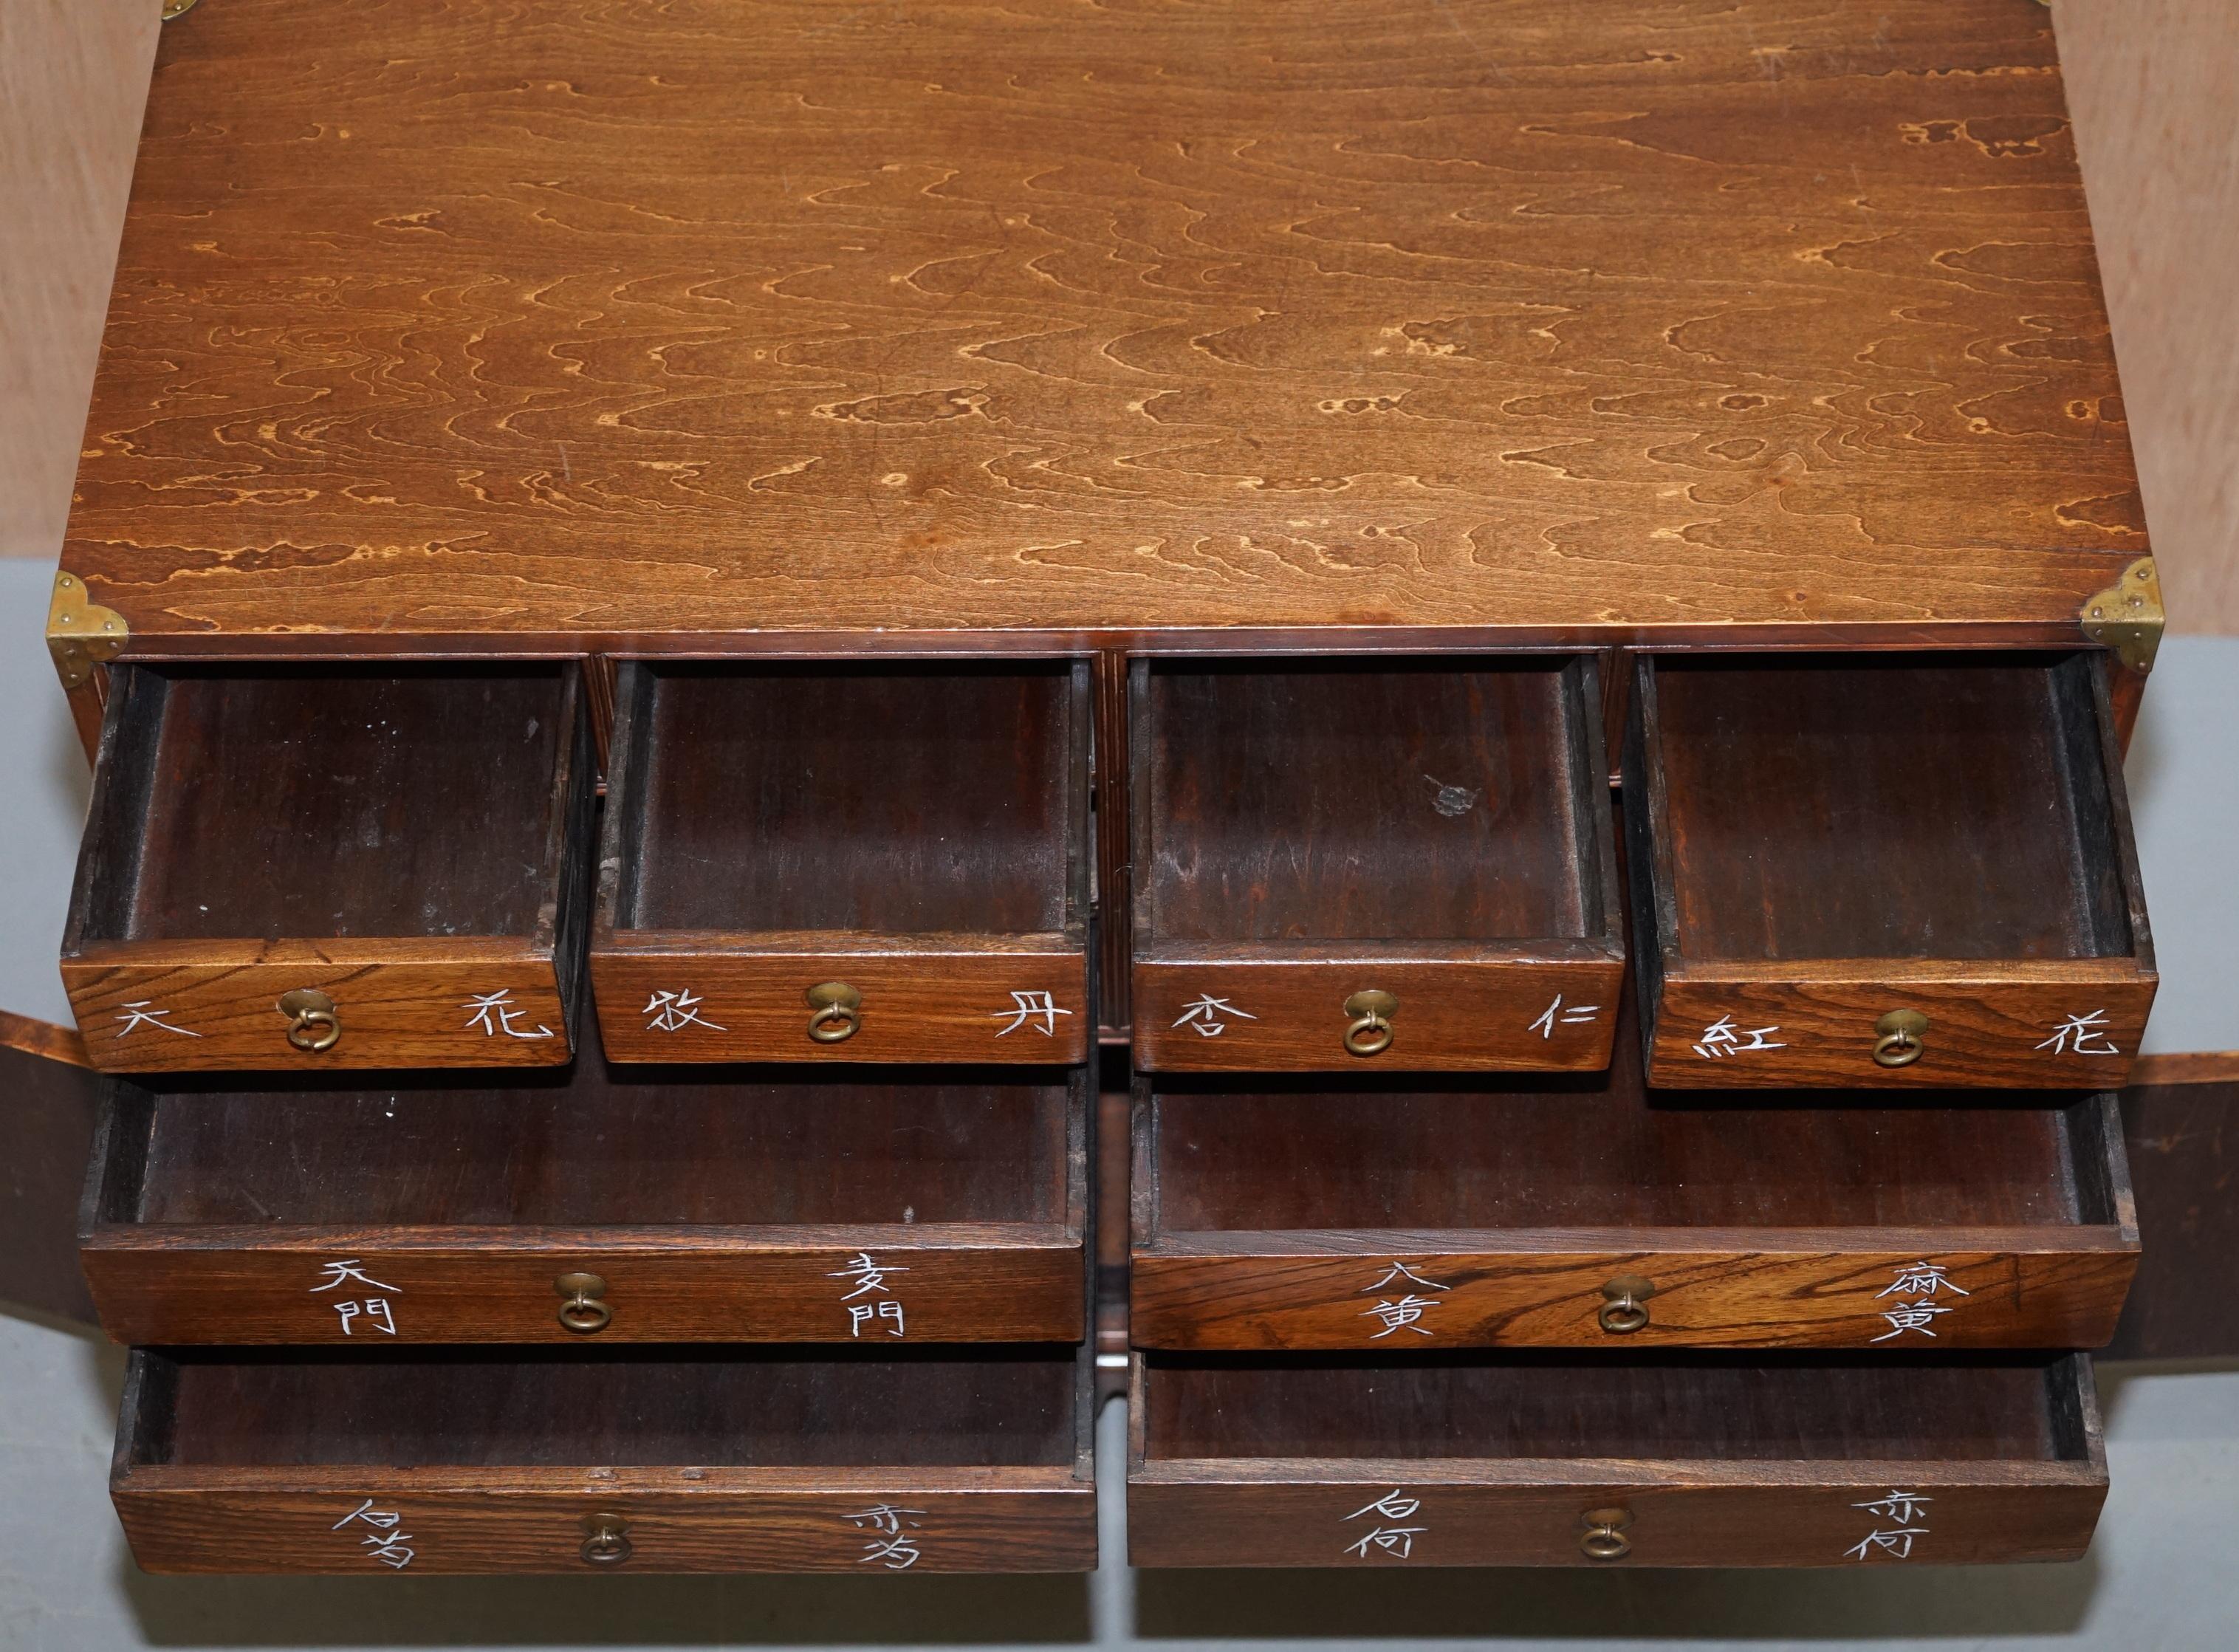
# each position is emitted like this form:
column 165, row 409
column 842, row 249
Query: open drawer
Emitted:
column 866, row 861
column 311, row 867
column 610, row 1203
column 735, row 1460
column 1670, row 1460
column 1274, row 1215
column 1408, row 862
column 1908, row 870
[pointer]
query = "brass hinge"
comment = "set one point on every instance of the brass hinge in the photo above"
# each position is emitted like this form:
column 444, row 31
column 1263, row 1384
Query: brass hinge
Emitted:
column 176, row 9
column 81, row 634
column 2127, row 616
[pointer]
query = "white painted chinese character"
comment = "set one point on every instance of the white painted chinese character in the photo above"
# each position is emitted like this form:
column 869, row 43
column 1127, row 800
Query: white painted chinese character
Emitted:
column 1722, row 1037
column 500, row 1006
column 868, row 1275
column 862, row 1313
column 1202, row 1017
column 672, row 1012
column 2085, row 1035
column 141, row 1014
column 1903, row 1507
column 1398, row 1271
column 1898, row 1543
column 1921, row 1279
column 386, row 1543
column 1576, row 1015
column 1910, row 1315
column 1399, row 1540
column 891, row 1545
column 341, row 1272
column 1025, row 1006
column 1400, row 1315
column 375, row 1309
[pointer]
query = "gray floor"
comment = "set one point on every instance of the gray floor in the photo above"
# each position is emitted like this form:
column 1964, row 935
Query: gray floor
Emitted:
column 2159, row 1576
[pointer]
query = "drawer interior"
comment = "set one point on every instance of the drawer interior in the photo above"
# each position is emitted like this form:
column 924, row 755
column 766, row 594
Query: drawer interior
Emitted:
column 900, row 798
column 1702, row 1407
column 1898, row 807
column 1269, row 1155
column 597, row 1145
column 1368, row 799
column 708, row 1408
column 259, row 803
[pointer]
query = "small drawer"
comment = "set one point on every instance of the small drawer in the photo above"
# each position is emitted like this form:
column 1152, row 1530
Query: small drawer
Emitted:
column 307, row 867
column 1670, row 1460
column 1912, row 870
column 735, row 1460
column 860, row 862
column 608, row 1203
column 1283, row 1216
column 1403, row 863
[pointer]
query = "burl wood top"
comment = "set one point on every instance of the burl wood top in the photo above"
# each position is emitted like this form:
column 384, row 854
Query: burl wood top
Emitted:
column 561, row 323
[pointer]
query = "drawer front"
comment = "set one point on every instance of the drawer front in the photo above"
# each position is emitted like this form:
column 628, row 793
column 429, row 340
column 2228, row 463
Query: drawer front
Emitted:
column 1904, row 1300
column 211, row 1006
column 983, row 1004
column 502, row 1287
column 2073, row 1027
column 1411, row 1513
column 1488, row 1014
column 390, row 1522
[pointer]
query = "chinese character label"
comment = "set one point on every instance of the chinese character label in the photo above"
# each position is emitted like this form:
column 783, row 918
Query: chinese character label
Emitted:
column 891, row 1544
column 1404, row 1312
column 384, row 1543
column 1898, row 1518
column 1206, row 1016
column 1024, row 1008
column 373, row 1310
column 495, row 1013
column 1924, row 1282
column 1398, row 1540
column 2083, row 1035
column 1575, row 1015
column 1722, row 1037
column 869, row 1277
column 143, row 1013
column 674, row 1012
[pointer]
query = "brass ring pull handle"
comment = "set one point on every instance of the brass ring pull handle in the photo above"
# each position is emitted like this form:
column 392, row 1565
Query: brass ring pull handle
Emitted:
column 606, row 1539
column 1627, row 1309
column 1605, row 1538
column 838, row 1012
column 1368, row 1031
column 583, row 1312
column 313, row 1024
column 1900, row 1038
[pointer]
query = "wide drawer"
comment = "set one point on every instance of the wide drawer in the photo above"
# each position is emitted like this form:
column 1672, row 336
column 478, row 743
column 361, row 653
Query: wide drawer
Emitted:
column 1670, row 1460
column 1407, row 863
column 1908, row 870
column 846, row 862
column 309, row 866
column 715, row 1461
column 1302, row 1215
column 609, row 1204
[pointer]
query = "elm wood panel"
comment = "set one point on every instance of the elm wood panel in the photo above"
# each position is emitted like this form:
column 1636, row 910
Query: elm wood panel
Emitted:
column 930, row 997
column 402, row 1003
column 1574, row 348
column 236, row 1285
column 1987, row 1024
column 1739, row 1288
column 50, row 1111
column 2185, row 1302
column 1471, row 1010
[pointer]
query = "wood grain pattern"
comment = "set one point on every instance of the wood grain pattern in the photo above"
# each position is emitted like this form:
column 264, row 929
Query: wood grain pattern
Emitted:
column 1715, row 1465
column 440, row 323
column 2184, row 1304
column 49, row 1104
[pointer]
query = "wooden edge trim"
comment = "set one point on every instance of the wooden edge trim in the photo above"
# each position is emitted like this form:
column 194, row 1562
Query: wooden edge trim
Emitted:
column 2188, row 1067
column 715, row 1242
column 566, row 1481
column 1540, row 1473
column 1370, row 1244
column 1805, row 973
column 46, row 1041
column 692, row 943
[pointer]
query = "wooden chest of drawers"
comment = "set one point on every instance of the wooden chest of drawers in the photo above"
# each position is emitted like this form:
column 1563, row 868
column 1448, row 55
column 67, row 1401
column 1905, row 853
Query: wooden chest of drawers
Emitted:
column 698, row 620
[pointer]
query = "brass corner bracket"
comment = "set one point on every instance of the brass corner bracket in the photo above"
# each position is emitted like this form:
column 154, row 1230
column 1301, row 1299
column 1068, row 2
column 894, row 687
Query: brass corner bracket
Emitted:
column 81, row 634
column 176, row 9
column 2127, row 616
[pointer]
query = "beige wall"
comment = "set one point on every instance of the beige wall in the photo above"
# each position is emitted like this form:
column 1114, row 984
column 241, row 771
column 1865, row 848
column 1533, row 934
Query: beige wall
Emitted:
column 2151, row 83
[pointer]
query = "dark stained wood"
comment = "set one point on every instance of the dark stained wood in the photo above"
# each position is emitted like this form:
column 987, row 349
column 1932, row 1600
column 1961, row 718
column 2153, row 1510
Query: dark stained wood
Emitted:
column 620, row 327
column 1115, row 867
column 50, row 1106
column 2183, row 1143
column 405, row 839
column 717, row 1205
column 1715, row 1460
column 919, row 830
column 715, row 1461
column 1436, row 830
column 1814, row 842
